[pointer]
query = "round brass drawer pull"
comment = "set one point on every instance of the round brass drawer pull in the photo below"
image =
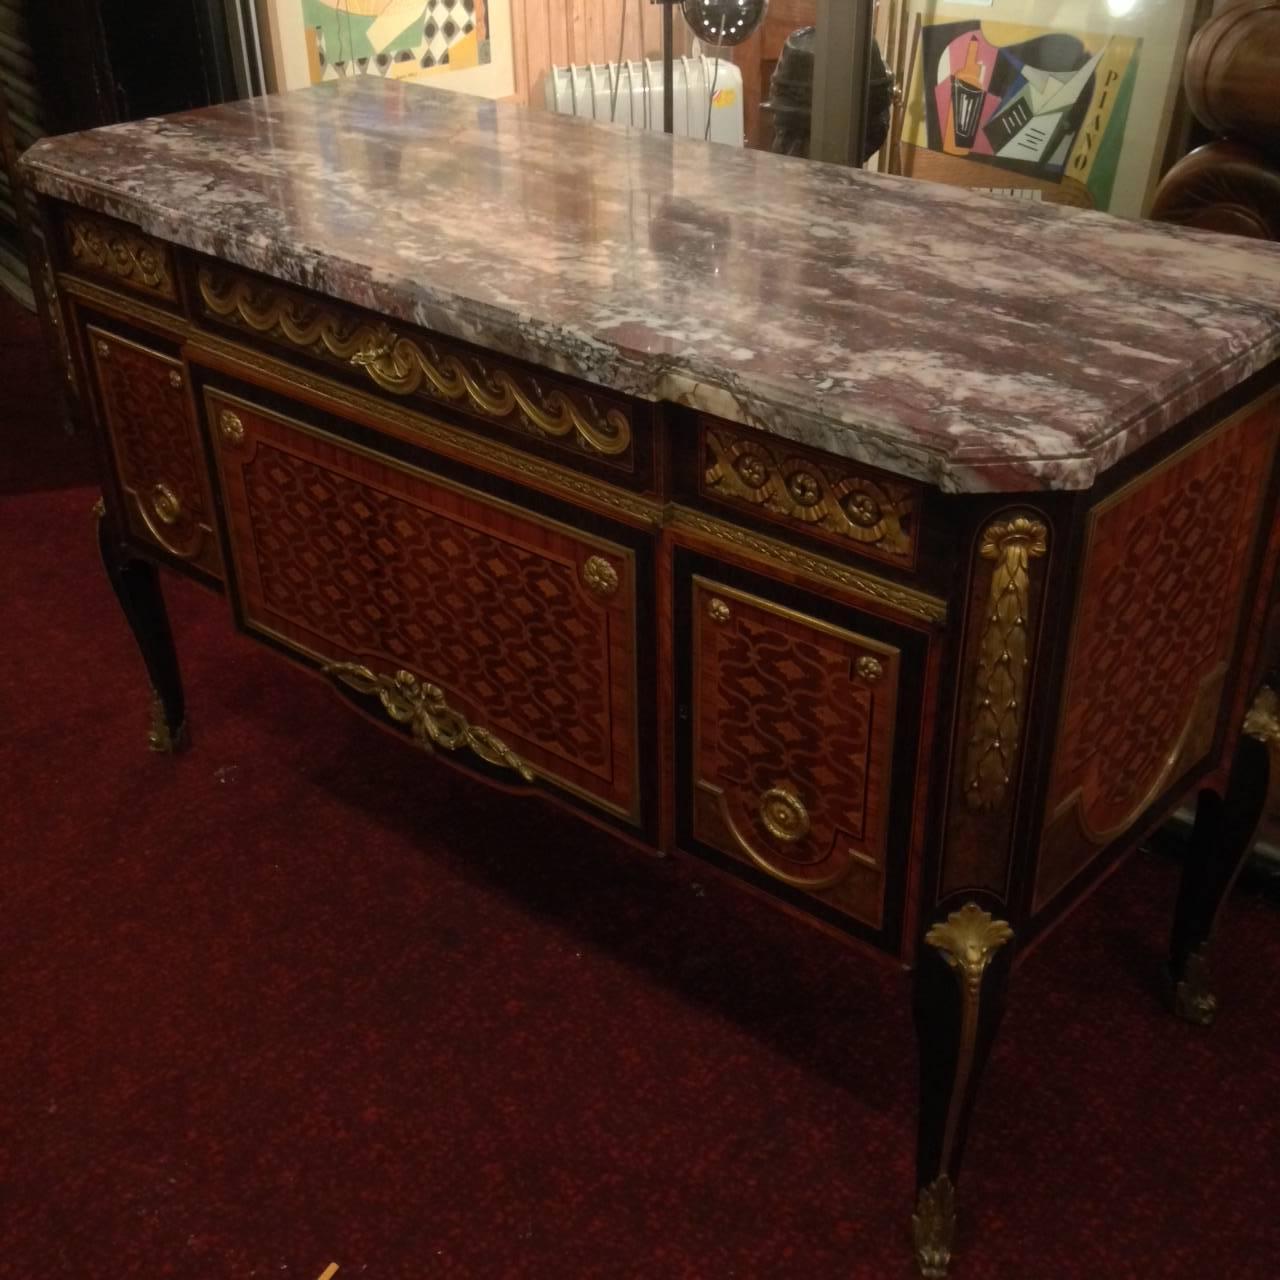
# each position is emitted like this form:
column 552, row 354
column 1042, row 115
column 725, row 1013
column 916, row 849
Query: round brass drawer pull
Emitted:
column 104, row 351
column 783, row 815
column 165, row 503
column 717, row 610
column 175, row 379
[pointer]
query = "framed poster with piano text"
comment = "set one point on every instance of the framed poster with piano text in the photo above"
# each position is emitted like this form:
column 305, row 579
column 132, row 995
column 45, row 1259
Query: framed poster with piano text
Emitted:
column 1068, row 101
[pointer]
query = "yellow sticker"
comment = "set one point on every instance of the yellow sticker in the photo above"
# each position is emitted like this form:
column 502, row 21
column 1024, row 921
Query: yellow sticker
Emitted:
column 725, row 98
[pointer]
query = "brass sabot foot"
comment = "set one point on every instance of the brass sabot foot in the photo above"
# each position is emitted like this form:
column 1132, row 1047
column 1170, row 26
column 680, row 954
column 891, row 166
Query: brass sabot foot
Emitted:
column 933, row 1227
column 160, row 737
column 1190, row 997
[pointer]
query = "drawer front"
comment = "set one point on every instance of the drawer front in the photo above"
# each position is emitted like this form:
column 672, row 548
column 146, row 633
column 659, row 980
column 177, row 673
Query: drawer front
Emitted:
column 118, row 254
column 514, row 636
column 801, row 730
column 861, row 511
column 558, row 417
column 147, row 413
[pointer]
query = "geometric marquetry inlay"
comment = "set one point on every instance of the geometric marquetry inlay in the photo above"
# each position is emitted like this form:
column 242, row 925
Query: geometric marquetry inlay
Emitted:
column 1160, row 597
column 525, row 626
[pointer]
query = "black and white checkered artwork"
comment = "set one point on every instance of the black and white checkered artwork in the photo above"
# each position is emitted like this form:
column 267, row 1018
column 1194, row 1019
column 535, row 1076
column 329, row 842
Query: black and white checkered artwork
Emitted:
column 447, row 22
column 442, row 24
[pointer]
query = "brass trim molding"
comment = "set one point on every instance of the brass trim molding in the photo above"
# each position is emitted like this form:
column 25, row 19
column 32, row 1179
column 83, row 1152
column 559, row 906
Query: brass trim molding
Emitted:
column 1000, row 682
column 903, row 599
column 128, row 307
column 788, row 483
column 431, row 431
column 933, row 1227
column 129, row 256
column 404, row 366
column 431, row 720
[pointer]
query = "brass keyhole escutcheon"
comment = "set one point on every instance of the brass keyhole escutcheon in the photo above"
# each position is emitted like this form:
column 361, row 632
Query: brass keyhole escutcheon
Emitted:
column 784, row 816
column 165, row 503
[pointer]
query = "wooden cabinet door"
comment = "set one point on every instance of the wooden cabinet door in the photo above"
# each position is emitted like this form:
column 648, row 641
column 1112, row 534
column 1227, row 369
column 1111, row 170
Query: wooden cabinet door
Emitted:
column 799, row 732
column 150, row 424
column 504, row 638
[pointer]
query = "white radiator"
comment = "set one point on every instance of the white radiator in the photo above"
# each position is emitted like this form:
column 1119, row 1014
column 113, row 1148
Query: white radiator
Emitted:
column 588, row 91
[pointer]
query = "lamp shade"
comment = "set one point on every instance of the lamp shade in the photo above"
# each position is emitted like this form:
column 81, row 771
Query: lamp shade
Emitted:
column 723, row 21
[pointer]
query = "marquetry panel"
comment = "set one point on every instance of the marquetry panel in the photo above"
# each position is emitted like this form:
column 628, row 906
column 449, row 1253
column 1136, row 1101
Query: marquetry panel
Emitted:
column 526, row 626
column 1157, row 621
column 567, row 418
column 794, row 723
column 119, row 254
column 836, row 501
column 149, row 422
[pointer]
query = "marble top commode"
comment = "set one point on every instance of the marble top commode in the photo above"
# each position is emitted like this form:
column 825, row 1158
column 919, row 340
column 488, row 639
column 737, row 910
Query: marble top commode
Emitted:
column 970, row 341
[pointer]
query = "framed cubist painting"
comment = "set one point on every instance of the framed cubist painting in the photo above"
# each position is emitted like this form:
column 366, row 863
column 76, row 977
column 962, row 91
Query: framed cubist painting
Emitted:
column 454, row 44
column 1066, row 102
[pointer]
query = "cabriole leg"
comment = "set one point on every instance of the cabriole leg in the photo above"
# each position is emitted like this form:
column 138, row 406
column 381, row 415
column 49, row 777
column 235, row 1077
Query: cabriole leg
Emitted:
column 137, row 587
column 960, row 981
column 1223, row 833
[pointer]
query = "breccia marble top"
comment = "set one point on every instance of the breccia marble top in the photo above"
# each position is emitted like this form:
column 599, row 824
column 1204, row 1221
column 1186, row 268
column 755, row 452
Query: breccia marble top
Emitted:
column 967, row 340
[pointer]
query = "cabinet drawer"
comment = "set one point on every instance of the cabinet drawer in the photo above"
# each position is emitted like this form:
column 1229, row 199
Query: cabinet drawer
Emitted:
column 118, row 254
column 853, row 508
column 514, row 635
column 148, row 417
column 534, row 409
column 800, row 729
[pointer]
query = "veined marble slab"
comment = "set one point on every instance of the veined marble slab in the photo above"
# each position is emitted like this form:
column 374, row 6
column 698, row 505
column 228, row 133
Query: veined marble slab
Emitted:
column 974, row 342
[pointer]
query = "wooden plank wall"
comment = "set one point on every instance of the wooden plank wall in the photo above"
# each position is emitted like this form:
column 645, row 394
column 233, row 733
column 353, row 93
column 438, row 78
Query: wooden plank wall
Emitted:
column 558, row 32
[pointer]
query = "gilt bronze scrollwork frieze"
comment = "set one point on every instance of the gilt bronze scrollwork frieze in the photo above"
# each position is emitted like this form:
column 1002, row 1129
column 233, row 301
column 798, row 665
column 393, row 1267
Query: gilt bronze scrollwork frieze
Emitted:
column 433, row 723
column 405, row 366
column 118, row 251
column 875, row 513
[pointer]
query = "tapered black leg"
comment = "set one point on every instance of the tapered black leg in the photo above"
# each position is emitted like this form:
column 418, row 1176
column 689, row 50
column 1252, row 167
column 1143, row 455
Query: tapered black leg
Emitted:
column 960, row 982
column 1223, row 833
column 137, row 587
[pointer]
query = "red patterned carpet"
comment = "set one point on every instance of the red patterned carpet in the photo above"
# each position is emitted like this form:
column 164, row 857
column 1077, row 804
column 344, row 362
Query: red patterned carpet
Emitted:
column 298, row 998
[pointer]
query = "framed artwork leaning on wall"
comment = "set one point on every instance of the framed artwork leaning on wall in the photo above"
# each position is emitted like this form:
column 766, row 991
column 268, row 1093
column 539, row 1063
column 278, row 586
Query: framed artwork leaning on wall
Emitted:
column 463, row 45
column 1067, row 102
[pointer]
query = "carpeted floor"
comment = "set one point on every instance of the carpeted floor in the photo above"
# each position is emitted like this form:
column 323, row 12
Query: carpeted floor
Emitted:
column 297, row 998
